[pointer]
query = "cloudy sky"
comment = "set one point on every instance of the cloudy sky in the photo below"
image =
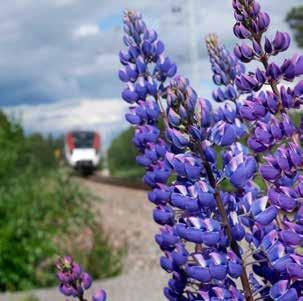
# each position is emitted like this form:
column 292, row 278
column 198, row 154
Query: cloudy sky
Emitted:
column 58, row 58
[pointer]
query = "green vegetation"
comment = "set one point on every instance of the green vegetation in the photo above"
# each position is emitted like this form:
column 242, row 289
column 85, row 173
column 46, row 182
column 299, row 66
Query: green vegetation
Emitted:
column 122, row 157
column 43, row 214
column 30, row 298
column 295, row 20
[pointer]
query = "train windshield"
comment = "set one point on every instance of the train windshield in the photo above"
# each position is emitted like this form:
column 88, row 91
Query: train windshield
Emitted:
column 83, row 139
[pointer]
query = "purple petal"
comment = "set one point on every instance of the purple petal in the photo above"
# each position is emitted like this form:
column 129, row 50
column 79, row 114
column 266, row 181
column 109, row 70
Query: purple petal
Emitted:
column 218, row 271
column 269, row 173
column 198, row 273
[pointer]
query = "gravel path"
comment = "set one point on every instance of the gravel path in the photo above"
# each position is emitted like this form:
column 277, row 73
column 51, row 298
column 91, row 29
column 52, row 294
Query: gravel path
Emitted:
column 126, row 216
column 140, row 286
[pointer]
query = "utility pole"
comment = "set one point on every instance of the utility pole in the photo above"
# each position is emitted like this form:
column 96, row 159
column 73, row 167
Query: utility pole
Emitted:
column 185, row 16
column 193, row 41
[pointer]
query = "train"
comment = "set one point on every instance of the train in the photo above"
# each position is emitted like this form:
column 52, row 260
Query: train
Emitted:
column 83, row 150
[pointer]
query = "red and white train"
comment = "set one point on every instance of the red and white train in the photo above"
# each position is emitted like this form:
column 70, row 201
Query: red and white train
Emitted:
column 83, row 150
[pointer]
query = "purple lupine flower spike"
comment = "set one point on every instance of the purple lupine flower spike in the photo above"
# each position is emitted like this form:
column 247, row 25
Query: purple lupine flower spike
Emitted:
column 273, row 132
column 73, row 281
column 211, row 236
column 187, row 122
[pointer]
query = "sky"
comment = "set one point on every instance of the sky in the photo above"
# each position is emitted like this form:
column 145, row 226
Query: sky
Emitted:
column 59, row 58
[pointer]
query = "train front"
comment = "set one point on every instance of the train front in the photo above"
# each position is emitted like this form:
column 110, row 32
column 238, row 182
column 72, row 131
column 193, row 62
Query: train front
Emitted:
column 83, row 150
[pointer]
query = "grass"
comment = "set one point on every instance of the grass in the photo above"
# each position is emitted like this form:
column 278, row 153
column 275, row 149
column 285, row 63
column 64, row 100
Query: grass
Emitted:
column 30, row 298
column 133, row 173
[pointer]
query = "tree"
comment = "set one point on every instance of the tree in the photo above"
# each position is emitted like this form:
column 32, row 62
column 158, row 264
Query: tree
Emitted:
column 295, row 20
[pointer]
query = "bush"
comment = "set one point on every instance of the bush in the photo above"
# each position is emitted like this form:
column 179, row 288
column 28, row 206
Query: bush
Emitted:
column 32, row 222
column 122, row 157
column 295, row 20
column 11, row 144
column 41, row 208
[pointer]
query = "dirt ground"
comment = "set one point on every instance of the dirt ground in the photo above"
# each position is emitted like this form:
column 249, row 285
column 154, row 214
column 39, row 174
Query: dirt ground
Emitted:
column 126, row 216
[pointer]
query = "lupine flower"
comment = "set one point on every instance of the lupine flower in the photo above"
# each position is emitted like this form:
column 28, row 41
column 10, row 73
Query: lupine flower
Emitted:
column 193, row 192
column 73, row 281
column 210, row 237
column 239, row 167
column 269, row 112
column 281, row 291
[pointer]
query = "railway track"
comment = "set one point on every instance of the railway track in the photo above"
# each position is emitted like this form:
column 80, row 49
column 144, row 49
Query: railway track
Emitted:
column 135, row 184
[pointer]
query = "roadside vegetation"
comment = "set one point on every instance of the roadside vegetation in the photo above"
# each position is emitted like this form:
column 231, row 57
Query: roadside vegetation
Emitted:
column 295, row 20
column 122, row 157
column 41, row 208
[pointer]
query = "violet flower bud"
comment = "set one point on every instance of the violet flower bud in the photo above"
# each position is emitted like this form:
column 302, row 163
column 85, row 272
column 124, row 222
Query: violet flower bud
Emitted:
column 298, row 90
column 100, row 295
column 129, row 94
column 268, row 46
column 247, row 83
column 273, row 72
column 257, row 48
column 237, row 230
column 63, row 277
column 284, row 198
column 180, row 140
column 290, row 238
column 163, row 215
column 269, row 172
column 241, row 32
column 124, row 57
column 223, row 134
column 281, row 291
column 132, row 117
column 262, row 213
column 67, row 290
column 281, row 42
column 263, row 21
column 86, row 280
column 244, row 53
column 173, row 118
column 199, row 273
column 167, row 239
column 159, row 195
column 261, row 76
column 256, row 145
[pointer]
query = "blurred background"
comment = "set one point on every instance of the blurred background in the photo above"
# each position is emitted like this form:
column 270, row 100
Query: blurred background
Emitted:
column 59, row 83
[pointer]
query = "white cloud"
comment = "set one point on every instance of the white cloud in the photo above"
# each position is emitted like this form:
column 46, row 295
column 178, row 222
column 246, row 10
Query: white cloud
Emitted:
column 64, row 2
column 54, row 50
column 87, row 30
column 103, row 115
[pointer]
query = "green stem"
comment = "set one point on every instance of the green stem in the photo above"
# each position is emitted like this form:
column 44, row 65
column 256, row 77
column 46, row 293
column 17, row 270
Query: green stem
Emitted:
column 233, row 244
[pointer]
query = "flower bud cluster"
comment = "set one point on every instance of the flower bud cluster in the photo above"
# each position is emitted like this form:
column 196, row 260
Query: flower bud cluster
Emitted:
column 248, row 211
column 226, row 67
column 227, row 127
column 73, row 281
column 145, row 69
